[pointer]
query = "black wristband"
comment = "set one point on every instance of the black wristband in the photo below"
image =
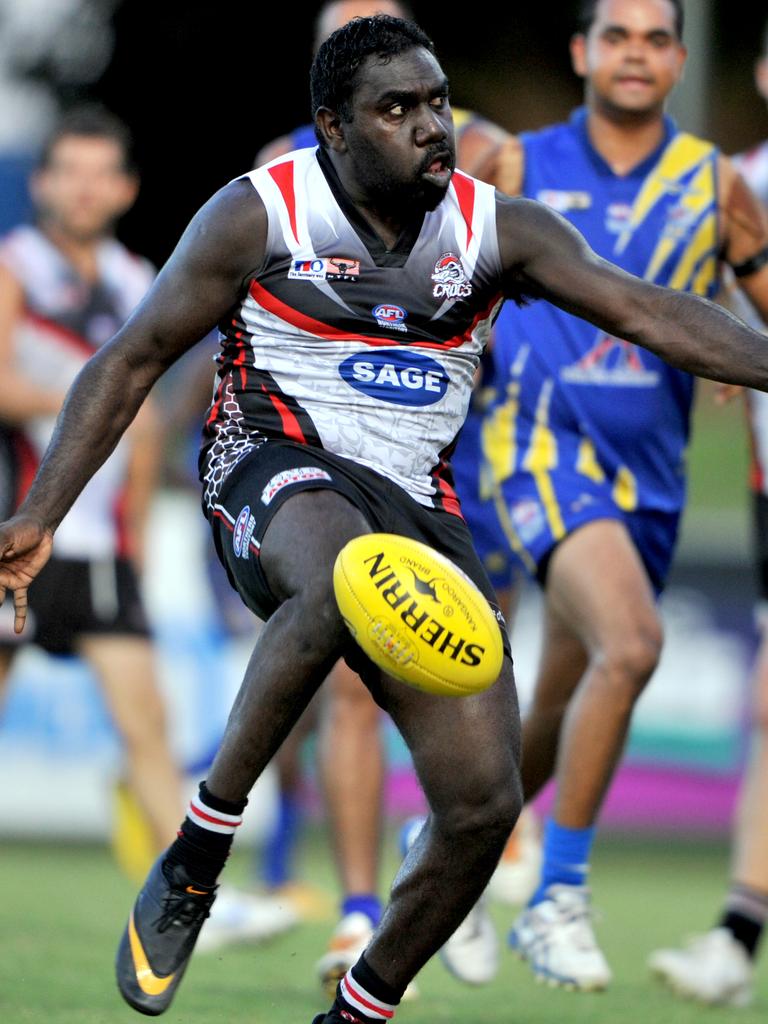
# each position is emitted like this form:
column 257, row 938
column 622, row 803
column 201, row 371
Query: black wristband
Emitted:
column 752, row 265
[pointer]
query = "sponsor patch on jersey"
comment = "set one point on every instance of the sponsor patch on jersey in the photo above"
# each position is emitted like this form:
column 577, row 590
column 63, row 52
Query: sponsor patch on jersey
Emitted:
column 563, row 200
column 396, row 376
column 528, row 519
column 331, row 268
column 451, row 282
column 387, row 314
column 297, row 475
column 238, row 534
column 617, row 217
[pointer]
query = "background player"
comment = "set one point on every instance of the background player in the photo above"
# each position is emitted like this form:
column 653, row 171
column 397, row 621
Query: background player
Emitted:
column 717, row 966
column 66, row 286
column 383, row 180
column 587, row 442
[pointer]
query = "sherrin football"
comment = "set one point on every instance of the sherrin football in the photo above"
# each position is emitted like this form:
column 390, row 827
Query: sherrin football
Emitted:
column 417, row 615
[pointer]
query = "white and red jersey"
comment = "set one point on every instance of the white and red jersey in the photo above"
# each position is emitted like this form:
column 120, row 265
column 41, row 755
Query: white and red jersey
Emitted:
column 753, row 165
column 64, row 321
column 340, row 343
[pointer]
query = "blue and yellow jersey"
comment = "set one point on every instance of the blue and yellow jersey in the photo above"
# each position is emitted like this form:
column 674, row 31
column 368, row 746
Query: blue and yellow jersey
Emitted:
column 570, row 397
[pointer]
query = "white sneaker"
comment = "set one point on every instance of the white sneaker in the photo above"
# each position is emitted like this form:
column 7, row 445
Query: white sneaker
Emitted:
column 515, row 879
column 239, row 916
column 349, row 940
column 556, row 939
column 472, row 952
column 712, row 968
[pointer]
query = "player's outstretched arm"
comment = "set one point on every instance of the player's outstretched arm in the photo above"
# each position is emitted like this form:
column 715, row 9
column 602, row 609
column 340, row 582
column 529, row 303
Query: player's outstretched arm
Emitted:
column 545, row 257
column 202, row 280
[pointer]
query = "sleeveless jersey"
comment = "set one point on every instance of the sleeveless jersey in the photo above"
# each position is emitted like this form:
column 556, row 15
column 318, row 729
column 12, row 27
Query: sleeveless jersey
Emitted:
column 570, row 395
column 63, row 322
column 340, row 343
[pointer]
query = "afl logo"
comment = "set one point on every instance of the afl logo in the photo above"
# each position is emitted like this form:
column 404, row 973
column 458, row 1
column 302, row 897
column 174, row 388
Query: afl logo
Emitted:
column 389, row 315
column 396, row 376
column 239, row 531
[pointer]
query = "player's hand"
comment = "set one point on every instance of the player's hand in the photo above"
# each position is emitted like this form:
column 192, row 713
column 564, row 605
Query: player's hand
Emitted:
column 725, row 393
column 25, row 547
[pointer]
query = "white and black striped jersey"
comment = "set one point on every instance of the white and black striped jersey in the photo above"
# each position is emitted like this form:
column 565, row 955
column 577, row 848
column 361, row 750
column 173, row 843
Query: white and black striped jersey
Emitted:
column 63, row 322
column 340, row 343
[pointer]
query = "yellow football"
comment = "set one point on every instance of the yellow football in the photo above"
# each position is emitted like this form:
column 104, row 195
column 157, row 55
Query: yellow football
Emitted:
column 417, row 615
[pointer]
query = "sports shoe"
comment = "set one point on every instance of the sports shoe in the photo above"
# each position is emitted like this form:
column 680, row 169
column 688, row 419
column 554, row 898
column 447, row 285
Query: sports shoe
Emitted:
column 712, row 968
column 556, row 939
column 472, row 952
column 239, row 916
column 348, row 941
column 160, row 935
column 517, row 874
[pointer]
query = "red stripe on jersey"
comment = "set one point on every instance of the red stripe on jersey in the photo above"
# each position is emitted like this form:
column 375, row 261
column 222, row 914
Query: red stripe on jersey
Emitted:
column 240, row 359
column 27, row 463
column 70, row 338
column 282, row 175
column 291, row 426
column 448, row 497
column 318, row 329
column 306, row 323
column 214, row 413
column 465, row 193
column 756, row 469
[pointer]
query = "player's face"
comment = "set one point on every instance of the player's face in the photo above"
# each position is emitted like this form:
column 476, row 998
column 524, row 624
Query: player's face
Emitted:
column 85, row 187
column 631, row 57
column 400, row 142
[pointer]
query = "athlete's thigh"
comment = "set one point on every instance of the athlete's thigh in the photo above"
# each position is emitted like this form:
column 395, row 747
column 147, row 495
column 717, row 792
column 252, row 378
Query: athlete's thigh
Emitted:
column 463, row 748
column 597, row 584
column 282, row 518
column 304, row 537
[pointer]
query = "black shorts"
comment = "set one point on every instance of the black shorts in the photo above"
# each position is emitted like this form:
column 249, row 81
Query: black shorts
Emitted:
column 72, row 598
column 277, row 470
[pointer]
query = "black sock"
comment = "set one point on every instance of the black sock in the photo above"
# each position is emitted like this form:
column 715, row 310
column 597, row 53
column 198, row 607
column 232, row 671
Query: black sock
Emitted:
column 363, row 996
column 206, row 836
column 744, row 915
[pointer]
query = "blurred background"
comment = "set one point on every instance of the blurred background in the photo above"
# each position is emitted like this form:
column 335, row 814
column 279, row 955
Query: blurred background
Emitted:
column 202, row 94
column 203, row 87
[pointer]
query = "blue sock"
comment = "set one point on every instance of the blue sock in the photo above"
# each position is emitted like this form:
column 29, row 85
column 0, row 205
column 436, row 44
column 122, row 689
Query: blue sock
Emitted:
column 363, row 903
column 276, row 865
column 566, row 857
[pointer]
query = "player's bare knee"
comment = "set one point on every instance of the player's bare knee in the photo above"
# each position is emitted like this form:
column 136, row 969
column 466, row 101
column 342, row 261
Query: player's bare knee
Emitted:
column 630, row 659
column 317, row 624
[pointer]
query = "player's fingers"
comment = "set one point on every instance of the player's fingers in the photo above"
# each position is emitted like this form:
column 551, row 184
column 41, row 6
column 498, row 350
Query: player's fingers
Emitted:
column 20, row 609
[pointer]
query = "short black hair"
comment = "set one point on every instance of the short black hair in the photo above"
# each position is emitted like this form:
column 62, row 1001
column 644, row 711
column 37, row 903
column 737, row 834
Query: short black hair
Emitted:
column 92, row 121
column 336, row 63
column 588, row 10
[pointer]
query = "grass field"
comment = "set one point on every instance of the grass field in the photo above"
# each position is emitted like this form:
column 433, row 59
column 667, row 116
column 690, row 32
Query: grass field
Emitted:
column 63, row 908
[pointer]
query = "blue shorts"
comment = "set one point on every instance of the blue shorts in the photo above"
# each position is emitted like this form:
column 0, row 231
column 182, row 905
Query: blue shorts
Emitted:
column 487, row 536
column 535, row 519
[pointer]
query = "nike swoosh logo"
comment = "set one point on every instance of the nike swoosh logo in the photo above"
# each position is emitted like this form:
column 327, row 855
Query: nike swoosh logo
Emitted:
column 197, row 892
column 149, row 983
